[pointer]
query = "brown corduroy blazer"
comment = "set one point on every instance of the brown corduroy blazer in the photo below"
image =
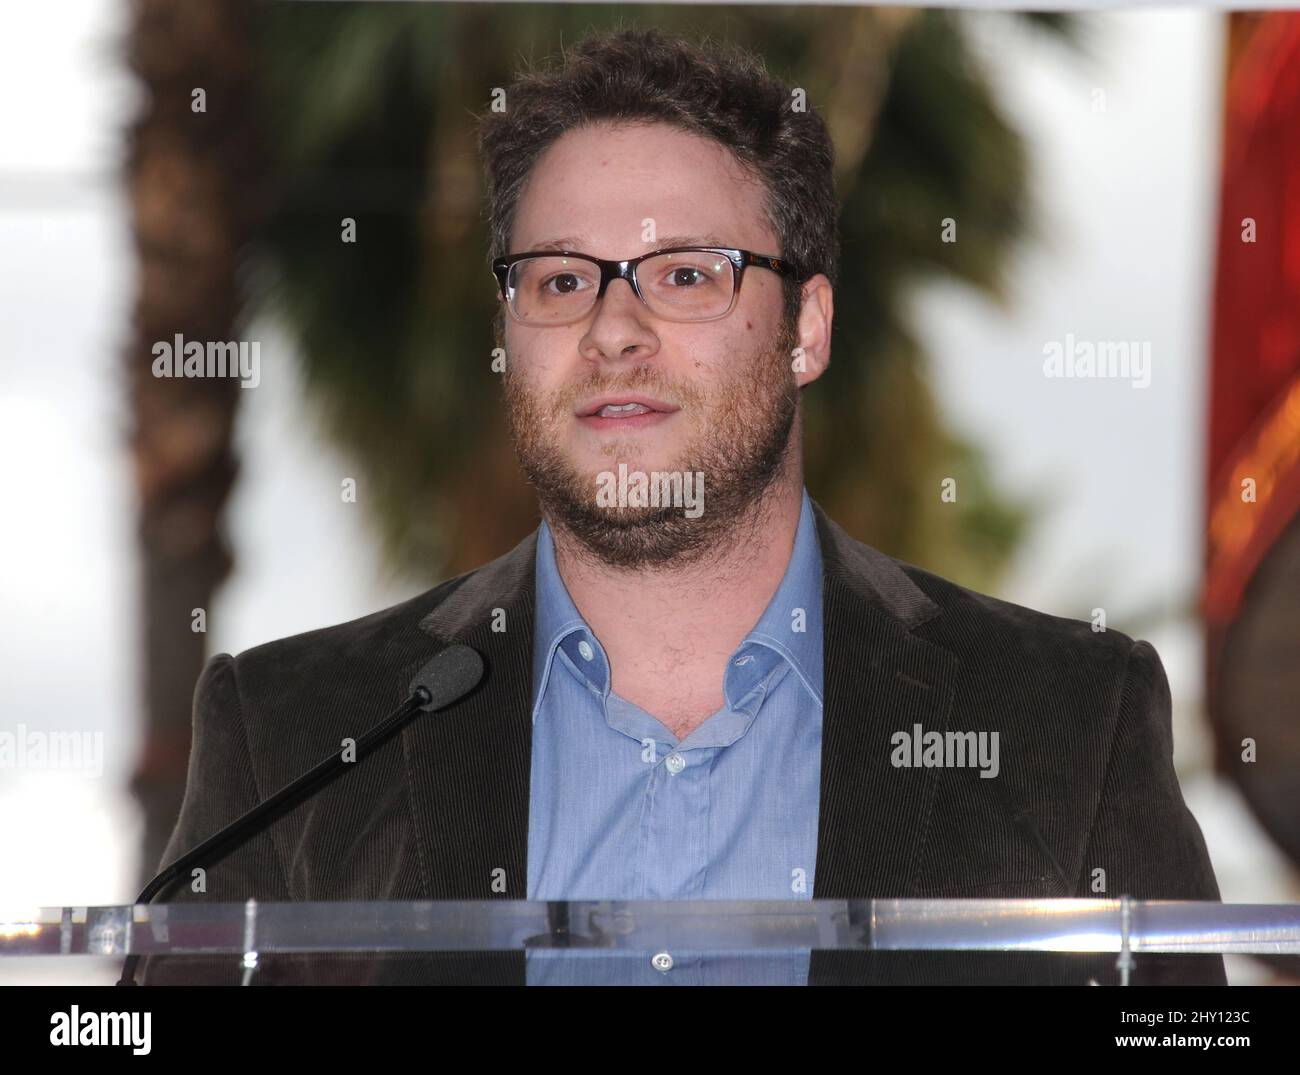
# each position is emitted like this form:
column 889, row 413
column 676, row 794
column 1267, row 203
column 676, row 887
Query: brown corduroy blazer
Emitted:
column 1086, row 777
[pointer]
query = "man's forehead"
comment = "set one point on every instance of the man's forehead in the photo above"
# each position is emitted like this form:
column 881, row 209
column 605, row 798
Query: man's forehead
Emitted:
column 556, row 212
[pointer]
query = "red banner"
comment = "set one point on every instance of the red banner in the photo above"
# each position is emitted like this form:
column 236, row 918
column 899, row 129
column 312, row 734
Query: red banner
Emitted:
column 1254, row 430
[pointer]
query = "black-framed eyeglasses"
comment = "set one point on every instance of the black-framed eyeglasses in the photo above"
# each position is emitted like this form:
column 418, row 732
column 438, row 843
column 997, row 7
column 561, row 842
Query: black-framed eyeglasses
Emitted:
column 679, row 283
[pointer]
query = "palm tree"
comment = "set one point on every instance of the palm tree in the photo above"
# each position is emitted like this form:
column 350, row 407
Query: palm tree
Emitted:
column 188, row 176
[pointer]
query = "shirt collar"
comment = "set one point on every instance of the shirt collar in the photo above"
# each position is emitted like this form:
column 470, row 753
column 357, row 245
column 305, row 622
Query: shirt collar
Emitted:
column 791, row 625
column 788, row 632
column 559, row 624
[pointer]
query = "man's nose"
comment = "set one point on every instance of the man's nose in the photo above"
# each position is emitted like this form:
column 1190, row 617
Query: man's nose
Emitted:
column 620, row 326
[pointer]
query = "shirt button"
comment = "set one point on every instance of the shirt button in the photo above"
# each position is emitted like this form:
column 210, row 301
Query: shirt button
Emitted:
column 742, row 661
column 662, row 962
column 584, row 647
column 675, row 762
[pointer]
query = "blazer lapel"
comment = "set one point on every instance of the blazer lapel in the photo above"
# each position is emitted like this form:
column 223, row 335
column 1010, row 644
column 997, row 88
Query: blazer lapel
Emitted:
column 880, row 678
column 468, row 765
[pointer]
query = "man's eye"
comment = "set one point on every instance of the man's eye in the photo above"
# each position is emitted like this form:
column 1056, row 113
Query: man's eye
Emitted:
column 686, row 277
column 566, row 283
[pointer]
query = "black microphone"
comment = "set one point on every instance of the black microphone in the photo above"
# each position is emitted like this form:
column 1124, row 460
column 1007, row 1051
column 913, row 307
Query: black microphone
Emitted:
column 448, row 677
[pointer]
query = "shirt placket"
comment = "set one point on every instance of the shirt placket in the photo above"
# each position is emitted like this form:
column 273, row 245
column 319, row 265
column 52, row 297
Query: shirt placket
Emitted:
column 674, row 851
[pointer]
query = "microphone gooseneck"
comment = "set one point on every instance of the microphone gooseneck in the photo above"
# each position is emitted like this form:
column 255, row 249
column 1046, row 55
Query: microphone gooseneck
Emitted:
column 449, row 676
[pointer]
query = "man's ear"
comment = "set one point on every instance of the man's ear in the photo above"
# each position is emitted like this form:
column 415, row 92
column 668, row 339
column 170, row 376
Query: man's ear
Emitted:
column 812, row 345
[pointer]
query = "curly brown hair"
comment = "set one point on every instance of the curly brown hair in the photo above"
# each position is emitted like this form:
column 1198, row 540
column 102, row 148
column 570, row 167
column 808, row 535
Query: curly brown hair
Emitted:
column 715, row 89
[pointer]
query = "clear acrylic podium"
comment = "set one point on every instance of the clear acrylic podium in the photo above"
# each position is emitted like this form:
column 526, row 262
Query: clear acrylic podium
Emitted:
column 1126, row 928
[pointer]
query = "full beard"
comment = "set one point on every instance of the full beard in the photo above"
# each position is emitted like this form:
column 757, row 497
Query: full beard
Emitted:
column 740, row 451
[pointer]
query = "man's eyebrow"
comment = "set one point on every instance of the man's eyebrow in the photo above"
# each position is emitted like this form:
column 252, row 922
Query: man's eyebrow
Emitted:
column 577, row 242
column 568, row 242
column 708, row 239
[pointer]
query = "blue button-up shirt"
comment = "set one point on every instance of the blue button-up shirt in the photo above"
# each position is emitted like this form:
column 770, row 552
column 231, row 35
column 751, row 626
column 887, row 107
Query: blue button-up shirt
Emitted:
column 620, row 809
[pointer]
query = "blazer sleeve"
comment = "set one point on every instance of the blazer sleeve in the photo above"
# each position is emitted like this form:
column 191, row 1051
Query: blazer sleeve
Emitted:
column 1143, row 834
column 219, row 787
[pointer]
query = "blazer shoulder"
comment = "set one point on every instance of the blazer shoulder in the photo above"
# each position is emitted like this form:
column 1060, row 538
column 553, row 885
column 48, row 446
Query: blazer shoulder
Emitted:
column 338, row 671
column 966, row 621
column 980, row 625
column 384, row 636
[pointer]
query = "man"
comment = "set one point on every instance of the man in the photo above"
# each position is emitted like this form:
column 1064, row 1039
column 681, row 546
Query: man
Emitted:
column 698, row 686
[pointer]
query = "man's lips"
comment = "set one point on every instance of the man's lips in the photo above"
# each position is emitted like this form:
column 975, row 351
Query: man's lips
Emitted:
column 625, row 412
column 622, row 406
